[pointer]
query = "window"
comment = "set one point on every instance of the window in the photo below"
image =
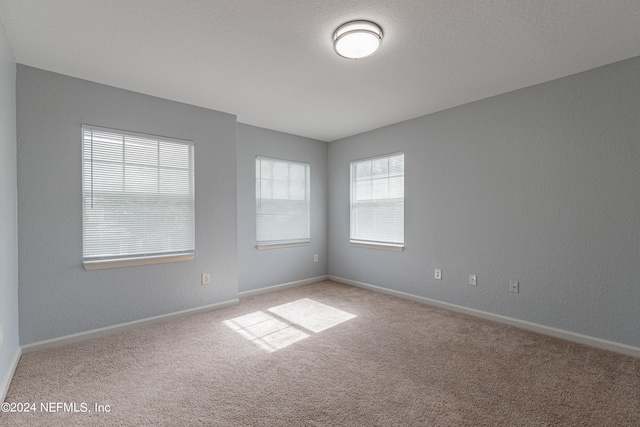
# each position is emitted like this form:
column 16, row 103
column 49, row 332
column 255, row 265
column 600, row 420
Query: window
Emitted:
column 377, row 202
column 137, row 199
column 282, row 203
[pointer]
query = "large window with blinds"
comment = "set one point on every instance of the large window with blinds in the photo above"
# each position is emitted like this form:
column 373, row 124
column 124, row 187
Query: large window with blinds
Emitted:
column 137, row 198
column 377, row 202
column 282, row 203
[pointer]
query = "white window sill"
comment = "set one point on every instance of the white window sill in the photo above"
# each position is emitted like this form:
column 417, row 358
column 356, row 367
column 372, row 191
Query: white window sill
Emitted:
column 264, row 247
column 380, row 246
column 131, row 262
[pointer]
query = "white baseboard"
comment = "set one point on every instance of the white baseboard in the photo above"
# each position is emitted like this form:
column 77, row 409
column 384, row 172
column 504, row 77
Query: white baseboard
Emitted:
column 246, row 294
column 547, row 330
column 95, row 333
column 6, row 382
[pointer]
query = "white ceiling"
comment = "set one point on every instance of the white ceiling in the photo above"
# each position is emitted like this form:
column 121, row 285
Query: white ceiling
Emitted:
column 271, row 62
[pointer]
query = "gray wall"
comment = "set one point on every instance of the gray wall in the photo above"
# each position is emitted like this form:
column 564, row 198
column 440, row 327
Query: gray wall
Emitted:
column 259, row 269
column 57, row 296
column 540, row 185
column 8, row 210
column 537, row 185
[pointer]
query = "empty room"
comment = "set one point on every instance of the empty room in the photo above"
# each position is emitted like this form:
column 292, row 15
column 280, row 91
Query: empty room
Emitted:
column 320, row 213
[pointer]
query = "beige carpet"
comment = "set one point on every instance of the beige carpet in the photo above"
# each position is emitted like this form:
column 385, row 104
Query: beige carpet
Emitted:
column 328, row 354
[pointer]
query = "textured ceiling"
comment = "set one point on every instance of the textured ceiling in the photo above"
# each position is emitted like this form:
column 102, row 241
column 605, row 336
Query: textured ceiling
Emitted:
column 271, row 62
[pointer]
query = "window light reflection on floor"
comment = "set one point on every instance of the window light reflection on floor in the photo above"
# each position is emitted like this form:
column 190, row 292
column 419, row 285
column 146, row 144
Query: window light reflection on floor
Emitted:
column 265, row 330
column 283, row 325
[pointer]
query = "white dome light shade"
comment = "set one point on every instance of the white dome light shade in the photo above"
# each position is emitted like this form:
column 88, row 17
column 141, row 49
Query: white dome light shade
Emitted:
column 357, row 39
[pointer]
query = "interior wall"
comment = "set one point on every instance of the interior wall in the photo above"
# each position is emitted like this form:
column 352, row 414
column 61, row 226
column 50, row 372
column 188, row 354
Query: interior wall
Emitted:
column 260, row 269
column 8, row 215
column 539, row 185
column 57, row 296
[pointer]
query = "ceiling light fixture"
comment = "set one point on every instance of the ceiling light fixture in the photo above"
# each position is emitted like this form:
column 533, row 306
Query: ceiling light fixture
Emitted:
column 357, row 39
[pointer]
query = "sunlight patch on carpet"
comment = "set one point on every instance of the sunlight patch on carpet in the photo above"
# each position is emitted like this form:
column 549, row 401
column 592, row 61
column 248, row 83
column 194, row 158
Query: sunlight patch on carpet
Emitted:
column 286, row 324
column 265, row 330
column 311, row 315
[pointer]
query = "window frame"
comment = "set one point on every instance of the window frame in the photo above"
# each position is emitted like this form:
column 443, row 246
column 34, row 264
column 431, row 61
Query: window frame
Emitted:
column 104, row 261
column 373, row 243
column 285, row 242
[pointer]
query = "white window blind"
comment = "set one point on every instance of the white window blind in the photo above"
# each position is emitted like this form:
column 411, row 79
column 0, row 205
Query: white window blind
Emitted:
column 377, row 200
column 282, row 201
column 137, row 195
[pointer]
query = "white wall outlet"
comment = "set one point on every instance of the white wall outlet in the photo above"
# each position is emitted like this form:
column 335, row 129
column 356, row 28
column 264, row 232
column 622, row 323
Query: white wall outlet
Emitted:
column 315, row 258
column 205, row 279
column 514, row 286
column 438, row 274
column 473, row 281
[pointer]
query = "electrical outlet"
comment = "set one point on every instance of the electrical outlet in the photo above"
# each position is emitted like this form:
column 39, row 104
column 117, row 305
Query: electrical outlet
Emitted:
column 438, row 274
column 315, row 258
column 205, row 279
column 473, row 280
column 514, row 286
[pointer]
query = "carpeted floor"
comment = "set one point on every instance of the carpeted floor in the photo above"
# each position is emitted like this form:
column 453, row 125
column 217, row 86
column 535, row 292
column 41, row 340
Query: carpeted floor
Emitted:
column 327, row 354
